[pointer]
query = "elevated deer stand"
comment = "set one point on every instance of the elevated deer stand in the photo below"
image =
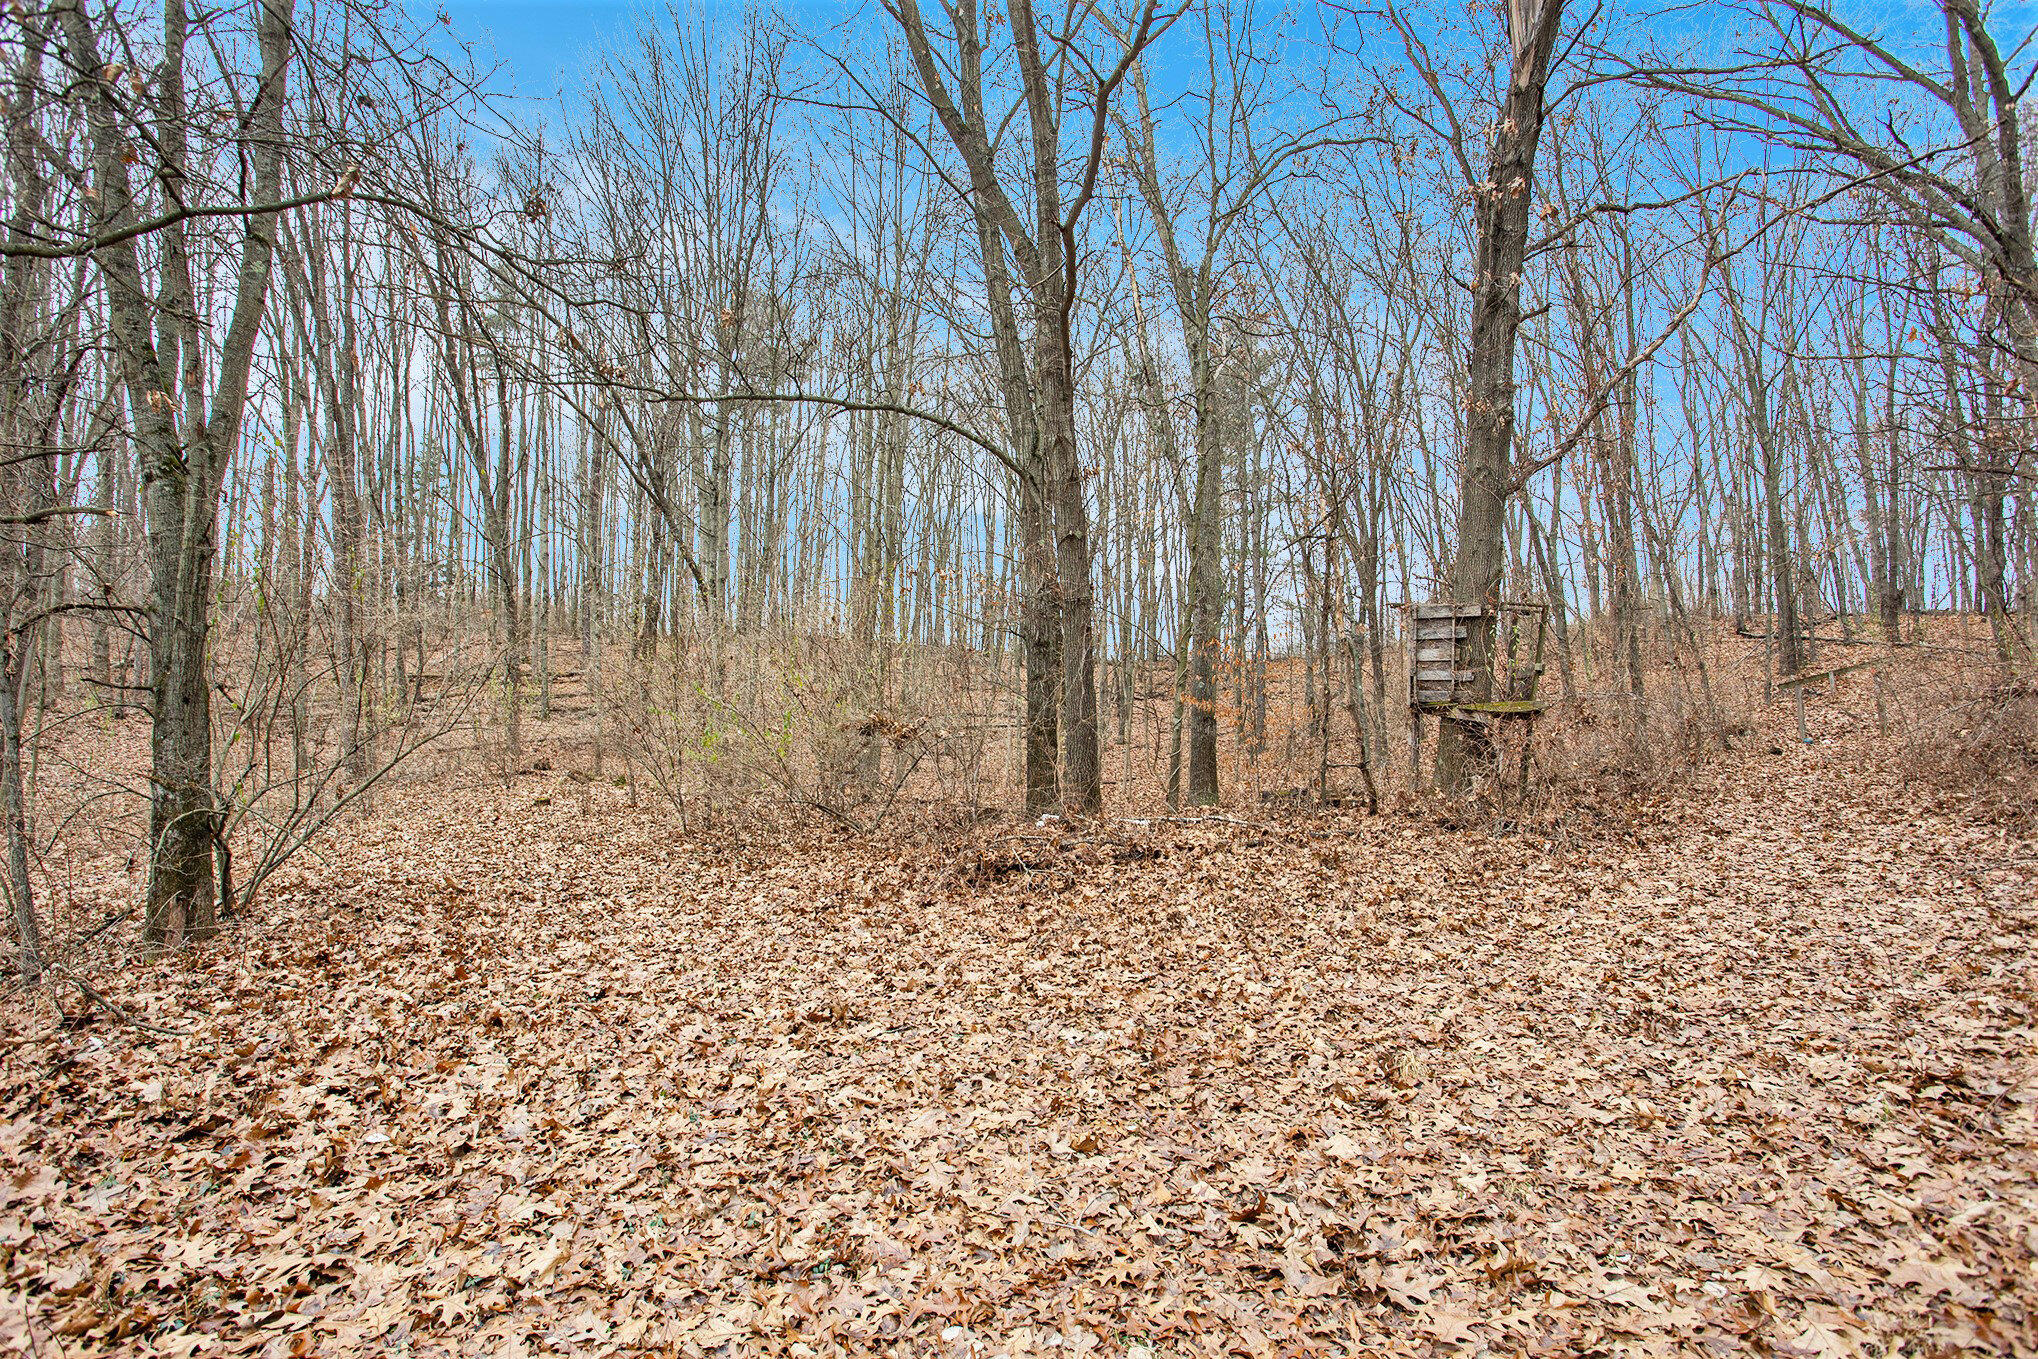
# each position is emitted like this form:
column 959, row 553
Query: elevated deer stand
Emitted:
column 1477, row 667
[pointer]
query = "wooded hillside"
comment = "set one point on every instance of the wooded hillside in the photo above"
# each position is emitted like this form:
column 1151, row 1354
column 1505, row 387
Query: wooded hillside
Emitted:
column 1142, row 678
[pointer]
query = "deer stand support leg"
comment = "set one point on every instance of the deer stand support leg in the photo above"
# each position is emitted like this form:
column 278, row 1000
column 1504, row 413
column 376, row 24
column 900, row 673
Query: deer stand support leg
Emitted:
column 1528, row 731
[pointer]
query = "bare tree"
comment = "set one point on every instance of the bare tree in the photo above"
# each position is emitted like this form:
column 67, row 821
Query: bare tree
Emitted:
column 1194, row 220
column 186, row 421
column 1502, row 194
column 1067, row 81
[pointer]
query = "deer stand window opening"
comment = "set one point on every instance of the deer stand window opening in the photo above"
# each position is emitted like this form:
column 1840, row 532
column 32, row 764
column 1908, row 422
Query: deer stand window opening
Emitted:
column 1477, row 666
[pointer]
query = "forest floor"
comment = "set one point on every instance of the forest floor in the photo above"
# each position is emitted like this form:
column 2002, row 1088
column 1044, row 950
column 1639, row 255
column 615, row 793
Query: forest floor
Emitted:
column 1749, row 1068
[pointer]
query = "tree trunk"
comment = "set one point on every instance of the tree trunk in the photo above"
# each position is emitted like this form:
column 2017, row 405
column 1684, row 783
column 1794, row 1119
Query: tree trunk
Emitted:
column 1206, row 599
column 1082, row 786
column 1500, row 209
column 182, row 471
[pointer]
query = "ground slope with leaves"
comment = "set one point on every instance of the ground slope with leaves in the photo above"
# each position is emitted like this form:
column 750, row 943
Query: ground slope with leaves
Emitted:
column 523, row 1072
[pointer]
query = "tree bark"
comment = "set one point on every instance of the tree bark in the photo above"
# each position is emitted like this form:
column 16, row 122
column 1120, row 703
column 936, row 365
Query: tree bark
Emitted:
column 182, row 470
column 1500, row 207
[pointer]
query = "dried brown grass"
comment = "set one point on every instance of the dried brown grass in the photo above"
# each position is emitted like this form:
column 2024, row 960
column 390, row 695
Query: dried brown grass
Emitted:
column 1966, row 733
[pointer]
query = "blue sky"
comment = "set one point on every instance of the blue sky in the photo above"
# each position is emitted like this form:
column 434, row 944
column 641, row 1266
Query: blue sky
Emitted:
column 543, row 46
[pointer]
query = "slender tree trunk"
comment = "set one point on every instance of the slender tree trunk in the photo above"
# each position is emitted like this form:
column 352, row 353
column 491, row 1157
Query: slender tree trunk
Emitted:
column 1082, row 766
column 1206, row 599
column 14, row 805
column 183, row 470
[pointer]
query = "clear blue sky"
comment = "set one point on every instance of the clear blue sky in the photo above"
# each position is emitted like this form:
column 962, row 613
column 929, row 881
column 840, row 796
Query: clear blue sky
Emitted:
column 541, row 45
column 543, row 48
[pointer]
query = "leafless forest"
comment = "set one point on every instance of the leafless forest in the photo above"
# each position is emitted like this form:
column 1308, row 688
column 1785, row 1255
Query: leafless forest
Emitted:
column 1139, row 677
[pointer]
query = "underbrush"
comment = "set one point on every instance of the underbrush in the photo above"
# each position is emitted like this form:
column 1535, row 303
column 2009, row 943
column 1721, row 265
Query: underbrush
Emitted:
column 1601, row 754
column 1970, row 734
column 801, row 727
column 856, row 732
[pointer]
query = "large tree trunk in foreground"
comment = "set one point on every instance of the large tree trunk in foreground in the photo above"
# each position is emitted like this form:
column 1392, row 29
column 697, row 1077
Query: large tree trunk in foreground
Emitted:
column 1500, row 209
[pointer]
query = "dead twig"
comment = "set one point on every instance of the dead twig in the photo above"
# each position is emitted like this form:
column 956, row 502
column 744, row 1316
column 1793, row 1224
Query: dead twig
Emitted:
column 112, row 1007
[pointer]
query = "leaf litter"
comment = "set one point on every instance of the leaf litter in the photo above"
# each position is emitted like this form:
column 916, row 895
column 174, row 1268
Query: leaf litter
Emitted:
column 1750, row 1070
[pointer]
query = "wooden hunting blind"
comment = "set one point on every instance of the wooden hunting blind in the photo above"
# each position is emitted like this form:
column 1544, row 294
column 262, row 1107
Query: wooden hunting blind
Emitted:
column 1476, row 665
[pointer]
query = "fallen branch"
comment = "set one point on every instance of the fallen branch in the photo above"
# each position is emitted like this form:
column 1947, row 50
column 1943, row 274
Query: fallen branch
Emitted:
column 112, row 1007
